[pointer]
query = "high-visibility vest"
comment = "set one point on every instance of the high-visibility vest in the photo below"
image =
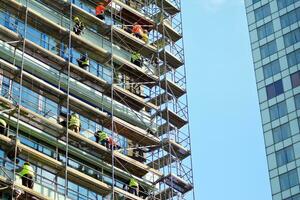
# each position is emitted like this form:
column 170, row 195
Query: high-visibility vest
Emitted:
column 145, row 37
column 137, row 29
column 27, row 170
column 133, row 183
column 102, row 135
column 3, row 122
column 135, row 56
column 74, row 121
column 86, row 61
column 100, row 10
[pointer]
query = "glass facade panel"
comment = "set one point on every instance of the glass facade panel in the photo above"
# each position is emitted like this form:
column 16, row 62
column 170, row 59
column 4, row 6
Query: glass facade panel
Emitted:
column 262, row 12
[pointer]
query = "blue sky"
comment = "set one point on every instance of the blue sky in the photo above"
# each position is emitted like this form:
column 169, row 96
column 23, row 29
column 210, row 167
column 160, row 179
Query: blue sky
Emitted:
column 228, row 145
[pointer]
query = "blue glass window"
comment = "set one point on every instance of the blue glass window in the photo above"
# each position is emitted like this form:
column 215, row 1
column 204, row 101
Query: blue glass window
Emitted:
column 289, row 179
column 284, row 156
column 274, row 89
column 265, row 30
column 262, row 12
column 278, row 110
column 295, row 78
column 292, row 37
column 271, row 69
column 290, row 18
column 293, row 58
column 268, row 49
column 281, row 132
column 285, row 3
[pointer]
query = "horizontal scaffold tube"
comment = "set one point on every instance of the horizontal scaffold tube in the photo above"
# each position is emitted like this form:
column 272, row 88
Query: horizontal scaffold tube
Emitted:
column 77, row 88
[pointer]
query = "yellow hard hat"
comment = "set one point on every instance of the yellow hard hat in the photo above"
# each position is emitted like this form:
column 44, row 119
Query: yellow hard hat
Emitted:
column 76, row 18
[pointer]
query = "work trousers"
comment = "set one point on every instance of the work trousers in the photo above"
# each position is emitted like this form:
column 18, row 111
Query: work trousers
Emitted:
column 102, row 17
column 74, row 128
column 105, row 143
column 133, row 190
column 27, row 180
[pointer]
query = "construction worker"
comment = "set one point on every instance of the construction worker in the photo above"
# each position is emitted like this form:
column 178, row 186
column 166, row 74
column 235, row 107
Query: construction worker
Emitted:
column 145, row 36
column 78, row 26
column 113, row 144
column 137, row 30
column 100, row 11
column 136, row 58
column 133, row 186
column 74, row 123
column 3, row 126
column 27, row 175
column 84, row 61
column 102, row 137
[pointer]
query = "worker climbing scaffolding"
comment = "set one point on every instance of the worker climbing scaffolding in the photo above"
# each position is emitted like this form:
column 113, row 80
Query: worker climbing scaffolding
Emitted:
column 78, row 26
column 119, row 125
column 74, row 123
column 100, row 11
column 136, row 59
column 27, row 174
column 84, row 61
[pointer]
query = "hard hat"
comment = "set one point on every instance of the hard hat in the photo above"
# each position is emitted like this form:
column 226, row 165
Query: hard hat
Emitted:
column 76, row 19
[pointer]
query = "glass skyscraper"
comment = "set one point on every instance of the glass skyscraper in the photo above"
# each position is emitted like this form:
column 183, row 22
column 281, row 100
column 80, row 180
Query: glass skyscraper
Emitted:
column 274, row 27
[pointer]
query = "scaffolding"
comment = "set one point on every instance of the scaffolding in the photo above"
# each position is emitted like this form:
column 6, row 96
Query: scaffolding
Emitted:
column 143, row 107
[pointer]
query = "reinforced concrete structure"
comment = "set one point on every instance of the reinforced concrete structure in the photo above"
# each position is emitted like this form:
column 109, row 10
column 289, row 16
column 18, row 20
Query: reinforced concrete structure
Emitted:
column 143, row 108
column 275, row 40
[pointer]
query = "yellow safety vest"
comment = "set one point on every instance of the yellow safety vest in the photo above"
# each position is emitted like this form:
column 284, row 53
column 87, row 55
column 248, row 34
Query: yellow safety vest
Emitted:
column 74, row 121
column 3, row 123
column 27, row 169
column 135, row 56
column 86, row 62
column 103, row 136
column 145, row 37
column 133, row 183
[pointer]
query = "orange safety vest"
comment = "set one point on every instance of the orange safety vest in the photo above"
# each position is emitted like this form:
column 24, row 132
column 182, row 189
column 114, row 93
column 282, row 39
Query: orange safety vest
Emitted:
column 137, row 29
column 100, row 10
column 112, row 142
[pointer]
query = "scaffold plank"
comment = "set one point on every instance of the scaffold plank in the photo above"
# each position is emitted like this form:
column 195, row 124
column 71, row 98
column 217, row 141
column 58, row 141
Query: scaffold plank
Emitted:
column 172, row 88
column 56, row 130
column 176, row 183
column 161, row 99
column 99, row 53
column 168, row 6
column 177, row 150
column 162, row 162
column 79, row 74
column 170, row 32
column 173, row 118
column 164, row 194
column 27, row 190
column 73, row 175
column 170, row 59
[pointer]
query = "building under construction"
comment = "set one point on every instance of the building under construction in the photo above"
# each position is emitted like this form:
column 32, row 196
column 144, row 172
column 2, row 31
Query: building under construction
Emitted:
column 141, row 106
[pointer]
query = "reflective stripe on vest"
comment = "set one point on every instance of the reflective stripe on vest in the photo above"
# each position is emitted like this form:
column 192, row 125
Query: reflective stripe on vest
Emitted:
column 27, row 169
column 133, row 183
column 74, row 121
column 85, row 62
column 3, row 123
